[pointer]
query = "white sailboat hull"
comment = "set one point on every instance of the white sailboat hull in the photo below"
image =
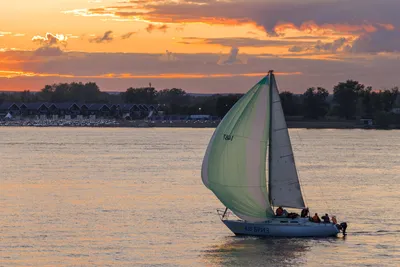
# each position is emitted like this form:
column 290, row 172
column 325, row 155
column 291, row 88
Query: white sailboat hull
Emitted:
column 284, row 227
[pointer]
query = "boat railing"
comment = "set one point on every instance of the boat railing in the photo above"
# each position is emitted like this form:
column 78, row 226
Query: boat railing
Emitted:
column 223, row 214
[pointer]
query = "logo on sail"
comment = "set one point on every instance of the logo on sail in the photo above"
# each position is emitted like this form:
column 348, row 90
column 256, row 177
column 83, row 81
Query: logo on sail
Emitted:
column 228, row 137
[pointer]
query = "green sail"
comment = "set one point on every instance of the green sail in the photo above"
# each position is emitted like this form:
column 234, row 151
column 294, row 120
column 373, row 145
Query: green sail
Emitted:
column 234, row 166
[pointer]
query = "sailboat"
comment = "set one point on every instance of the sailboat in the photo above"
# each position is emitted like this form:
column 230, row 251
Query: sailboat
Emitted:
column 251, row 146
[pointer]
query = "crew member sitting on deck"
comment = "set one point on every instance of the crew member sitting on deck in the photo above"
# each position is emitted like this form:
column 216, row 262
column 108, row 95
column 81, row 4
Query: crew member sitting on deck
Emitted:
column 304, row 213
column 279, row 211
column 285, row 213
column 316, row 219
column 326, row 218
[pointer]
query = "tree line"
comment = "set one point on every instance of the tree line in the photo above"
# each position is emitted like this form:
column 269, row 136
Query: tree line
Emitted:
column 349, row 99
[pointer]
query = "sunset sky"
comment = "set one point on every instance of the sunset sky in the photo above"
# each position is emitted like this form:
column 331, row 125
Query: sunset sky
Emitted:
column 201, row 46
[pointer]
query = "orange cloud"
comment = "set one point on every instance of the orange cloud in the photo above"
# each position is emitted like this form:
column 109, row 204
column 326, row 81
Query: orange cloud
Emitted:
column 105, row 38
column 15, row 74
column 388, row 27
column 152, row 16
column 4, row 33
column 271, row 17
column 127, row 35
column 310, row 27
column 151, row 27
column 50, row 39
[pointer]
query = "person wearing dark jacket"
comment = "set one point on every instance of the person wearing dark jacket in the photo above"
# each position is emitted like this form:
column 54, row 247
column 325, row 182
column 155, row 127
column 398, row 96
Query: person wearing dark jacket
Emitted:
column 326, row 218
column 304, row 213
column 316, row 218
column 279, row 211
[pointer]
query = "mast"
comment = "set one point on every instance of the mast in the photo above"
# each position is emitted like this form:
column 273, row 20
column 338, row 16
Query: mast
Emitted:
column 271, row 75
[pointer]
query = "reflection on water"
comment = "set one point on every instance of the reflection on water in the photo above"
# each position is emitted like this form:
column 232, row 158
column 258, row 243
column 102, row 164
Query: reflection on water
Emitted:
column 253, row 251
column 134, row 197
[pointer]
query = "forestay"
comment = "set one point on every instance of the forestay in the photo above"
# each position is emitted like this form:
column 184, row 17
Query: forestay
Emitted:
column 234, row 166
column 284, row 187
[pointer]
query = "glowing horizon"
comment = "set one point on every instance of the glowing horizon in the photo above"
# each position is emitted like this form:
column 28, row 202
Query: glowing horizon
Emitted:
column 206, row 42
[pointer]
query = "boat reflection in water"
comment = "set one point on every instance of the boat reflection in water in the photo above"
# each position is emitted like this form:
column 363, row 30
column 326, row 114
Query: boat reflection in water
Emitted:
column 255, row 251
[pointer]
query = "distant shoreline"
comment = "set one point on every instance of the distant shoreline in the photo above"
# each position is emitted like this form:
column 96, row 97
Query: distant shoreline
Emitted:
column 110, row 123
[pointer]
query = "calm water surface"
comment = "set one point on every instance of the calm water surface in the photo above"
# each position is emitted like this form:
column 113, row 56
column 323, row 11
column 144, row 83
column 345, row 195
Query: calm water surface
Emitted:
column 134, row 197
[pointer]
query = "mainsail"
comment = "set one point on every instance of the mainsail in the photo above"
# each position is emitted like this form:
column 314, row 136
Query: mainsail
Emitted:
column 284, row 187
column 234, row 166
